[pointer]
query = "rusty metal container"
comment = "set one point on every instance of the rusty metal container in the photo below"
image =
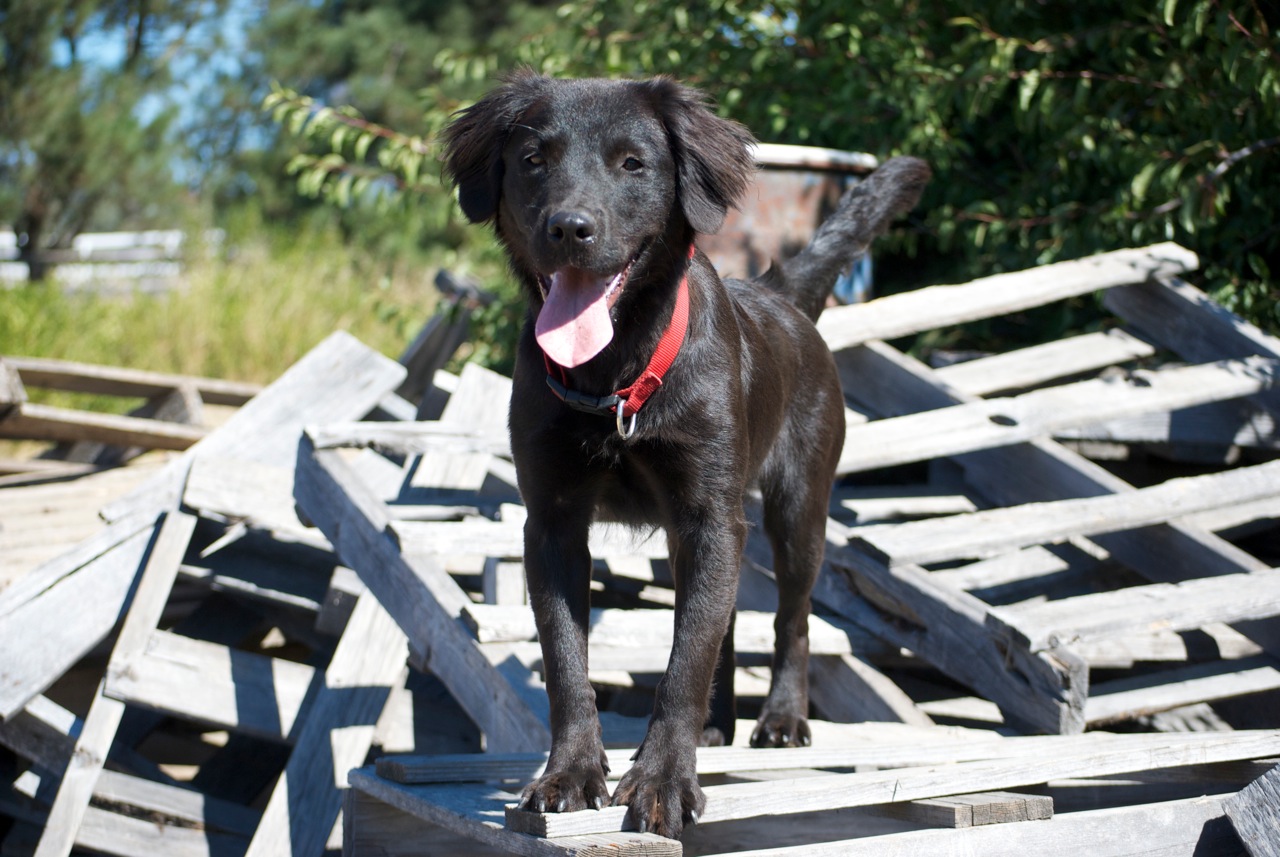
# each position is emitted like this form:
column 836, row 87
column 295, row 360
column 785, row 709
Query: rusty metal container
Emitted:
column 794, row 190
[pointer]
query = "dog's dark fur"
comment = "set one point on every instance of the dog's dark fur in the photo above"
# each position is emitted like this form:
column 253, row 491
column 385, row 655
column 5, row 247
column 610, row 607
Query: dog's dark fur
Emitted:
column 597, row 175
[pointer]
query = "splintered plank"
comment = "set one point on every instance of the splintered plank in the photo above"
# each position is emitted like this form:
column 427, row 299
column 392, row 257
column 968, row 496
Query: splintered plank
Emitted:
column 998, row 422
column 1032, row 366
column 838, row 791
column 995, row 531
column 243, row 691
column 939, row 306
column 334, row 737
column 1255, row 814
column 118, row 381
column 477, row 813
column 424, row 600
column 98, row 732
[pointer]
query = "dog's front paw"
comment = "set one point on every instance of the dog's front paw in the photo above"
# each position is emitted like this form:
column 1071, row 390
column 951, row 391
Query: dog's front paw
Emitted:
column 781, row 730
column 663, row 798
column 567, row 790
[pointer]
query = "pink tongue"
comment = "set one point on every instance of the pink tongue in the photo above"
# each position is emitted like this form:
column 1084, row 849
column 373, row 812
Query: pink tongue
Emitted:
column 574, row 324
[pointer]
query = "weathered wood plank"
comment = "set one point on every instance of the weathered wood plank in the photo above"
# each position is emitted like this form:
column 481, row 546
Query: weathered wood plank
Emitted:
column 107, row 832
column 836, row 791
column 847, row 689
column 505, row 538
column 990, row 423
column 1136, row 696
column 639, row 627
column 974, row 810
column 939, row 306
column 1175, row 828
column 421, row 596
column 39, row 643
column 76, row 377
column 1217, row 424
column 98, row 732
column 1187, row 321
column 1030, row 367
column 171, row 802
column 477, row 812
column 1153, row 607
column 991, row 532
column 407, row 438
column 47, row 422
column 213, row 684
column 1255, row 813
column 862, row 746
column 258, row 494
column 12, row 393
column 372, row 827
column 339, row 379
column 49, row 574
column 335, row 736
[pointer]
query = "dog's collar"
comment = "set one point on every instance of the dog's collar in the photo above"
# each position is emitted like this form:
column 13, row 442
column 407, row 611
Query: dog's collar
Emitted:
column 626, row 403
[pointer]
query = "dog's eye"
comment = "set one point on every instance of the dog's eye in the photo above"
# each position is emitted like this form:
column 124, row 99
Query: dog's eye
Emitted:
column 632, row 164
column 535, row 160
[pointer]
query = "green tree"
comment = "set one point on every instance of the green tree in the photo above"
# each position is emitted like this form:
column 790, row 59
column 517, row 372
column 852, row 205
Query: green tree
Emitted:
column 1055, row 129
column 83, row 131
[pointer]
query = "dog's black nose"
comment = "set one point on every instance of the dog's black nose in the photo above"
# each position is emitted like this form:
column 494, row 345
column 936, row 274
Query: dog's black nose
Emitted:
column 578, row 227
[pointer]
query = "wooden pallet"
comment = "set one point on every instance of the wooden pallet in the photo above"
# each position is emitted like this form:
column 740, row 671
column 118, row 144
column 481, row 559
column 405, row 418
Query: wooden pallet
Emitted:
column 1033, row 659
column 1017, row 572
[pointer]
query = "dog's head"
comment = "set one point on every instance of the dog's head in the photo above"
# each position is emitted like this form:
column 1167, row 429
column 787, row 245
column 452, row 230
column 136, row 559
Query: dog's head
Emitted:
column 592, row 185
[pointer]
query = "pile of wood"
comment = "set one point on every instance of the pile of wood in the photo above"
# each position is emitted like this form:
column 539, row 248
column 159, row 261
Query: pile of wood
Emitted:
column 307, row 630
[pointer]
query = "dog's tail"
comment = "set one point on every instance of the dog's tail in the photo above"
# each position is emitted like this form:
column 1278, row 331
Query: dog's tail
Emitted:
column 864, row 213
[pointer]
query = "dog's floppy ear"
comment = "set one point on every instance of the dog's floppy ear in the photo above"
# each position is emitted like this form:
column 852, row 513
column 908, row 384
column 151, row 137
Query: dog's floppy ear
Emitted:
column 473, row 143
column 713, row 158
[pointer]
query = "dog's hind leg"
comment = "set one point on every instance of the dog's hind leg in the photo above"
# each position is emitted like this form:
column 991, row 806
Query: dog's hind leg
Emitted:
column 796, row 527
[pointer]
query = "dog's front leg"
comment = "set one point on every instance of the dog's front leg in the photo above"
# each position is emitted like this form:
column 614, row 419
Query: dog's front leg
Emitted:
column 662, row 787
column 558, row 569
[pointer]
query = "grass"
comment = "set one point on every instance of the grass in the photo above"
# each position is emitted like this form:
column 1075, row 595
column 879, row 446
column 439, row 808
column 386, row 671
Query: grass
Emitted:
column 246, row 315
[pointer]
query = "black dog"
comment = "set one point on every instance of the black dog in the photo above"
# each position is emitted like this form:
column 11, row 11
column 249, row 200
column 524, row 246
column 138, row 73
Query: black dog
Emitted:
column 648, row 391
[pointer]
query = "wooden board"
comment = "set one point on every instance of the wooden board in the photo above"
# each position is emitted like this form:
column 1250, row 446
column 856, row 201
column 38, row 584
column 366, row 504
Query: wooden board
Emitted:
column 938, row 306
column 98, row 732
column 837, row 791
column 1255, row 814
column 424, row 600
column 334, row 737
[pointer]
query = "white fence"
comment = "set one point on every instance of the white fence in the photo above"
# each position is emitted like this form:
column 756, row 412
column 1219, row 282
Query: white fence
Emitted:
column 147, row 261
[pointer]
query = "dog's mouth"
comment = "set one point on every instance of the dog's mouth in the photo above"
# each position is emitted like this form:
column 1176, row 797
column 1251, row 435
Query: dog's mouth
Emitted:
column 574, row 324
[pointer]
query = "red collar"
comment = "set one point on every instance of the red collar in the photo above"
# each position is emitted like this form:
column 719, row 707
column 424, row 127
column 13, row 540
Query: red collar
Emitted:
column 625, row 403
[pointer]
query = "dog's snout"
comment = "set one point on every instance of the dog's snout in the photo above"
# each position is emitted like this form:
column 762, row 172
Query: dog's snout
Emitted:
column 573, row 227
